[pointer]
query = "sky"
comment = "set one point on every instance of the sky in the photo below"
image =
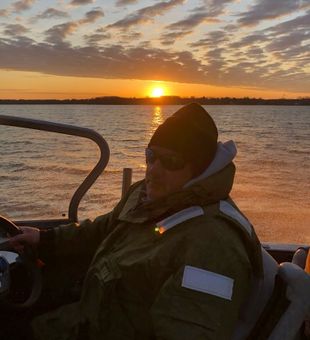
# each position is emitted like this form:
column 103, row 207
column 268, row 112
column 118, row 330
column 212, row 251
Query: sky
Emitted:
column 213, row 48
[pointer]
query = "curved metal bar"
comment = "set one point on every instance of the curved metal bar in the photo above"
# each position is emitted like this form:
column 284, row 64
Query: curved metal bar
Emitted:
column 74, row 131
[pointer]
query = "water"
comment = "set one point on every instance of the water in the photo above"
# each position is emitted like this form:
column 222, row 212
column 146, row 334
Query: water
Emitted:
column 40, row 171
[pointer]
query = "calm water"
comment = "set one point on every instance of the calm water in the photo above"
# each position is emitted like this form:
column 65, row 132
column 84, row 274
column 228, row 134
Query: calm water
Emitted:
column 40, row 171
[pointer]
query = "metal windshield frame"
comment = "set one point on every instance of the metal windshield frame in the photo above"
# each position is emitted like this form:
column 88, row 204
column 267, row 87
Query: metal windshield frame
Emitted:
column 74, row 131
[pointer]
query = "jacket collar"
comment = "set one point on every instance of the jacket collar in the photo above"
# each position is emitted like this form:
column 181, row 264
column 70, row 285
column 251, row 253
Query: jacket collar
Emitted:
column 224, row 155
column 205, row 191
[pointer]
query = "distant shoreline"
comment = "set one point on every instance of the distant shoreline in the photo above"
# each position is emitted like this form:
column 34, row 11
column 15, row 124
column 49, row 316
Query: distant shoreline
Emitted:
column 165, row 100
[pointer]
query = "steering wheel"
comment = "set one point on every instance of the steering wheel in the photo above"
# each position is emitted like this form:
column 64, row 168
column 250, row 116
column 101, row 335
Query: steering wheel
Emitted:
column 17, row 296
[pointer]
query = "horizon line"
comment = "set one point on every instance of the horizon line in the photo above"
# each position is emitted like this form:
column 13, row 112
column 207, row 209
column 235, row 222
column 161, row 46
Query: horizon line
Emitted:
column 171, row 97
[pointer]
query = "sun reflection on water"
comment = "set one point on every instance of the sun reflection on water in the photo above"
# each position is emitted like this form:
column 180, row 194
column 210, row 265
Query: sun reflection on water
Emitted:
column 157, row 119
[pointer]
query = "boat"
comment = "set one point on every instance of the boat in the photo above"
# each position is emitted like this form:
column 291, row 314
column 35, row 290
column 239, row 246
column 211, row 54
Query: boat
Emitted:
column 18, row 294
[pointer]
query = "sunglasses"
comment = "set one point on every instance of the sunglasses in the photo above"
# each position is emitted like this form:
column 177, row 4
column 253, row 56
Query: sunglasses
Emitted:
column 169, row 162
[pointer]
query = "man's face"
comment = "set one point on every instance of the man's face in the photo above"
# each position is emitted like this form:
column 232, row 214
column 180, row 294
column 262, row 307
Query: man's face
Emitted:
column 166, row 172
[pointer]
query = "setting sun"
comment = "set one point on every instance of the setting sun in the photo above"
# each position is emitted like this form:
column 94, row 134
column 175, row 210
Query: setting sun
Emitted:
column 157, row 92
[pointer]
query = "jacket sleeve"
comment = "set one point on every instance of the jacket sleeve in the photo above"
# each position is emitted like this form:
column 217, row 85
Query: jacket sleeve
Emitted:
column 85, row 237
column 82, row 240
column 74, row 239
column 79, row 240
column 189, row 305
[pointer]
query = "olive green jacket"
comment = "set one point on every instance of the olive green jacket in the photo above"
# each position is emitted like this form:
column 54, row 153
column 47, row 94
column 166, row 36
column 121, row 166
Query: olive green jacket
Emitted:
column 134, row 285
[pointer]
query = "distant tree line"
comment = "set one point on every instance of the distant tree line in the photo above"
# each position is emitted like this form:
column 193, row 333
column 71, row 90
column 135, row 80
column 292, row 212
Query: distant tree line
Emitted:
column 165, row 100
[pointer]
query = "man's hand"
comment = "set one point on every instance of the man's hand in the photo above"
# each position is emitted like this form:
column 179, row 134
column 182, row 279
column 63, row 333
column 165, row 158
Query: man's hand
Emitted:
column 30, row 236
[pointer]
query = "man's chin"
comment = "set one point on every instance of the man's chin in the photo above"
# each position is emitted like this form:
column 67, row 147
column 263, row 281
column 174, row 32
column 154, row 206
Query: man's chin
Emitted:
column 153, row 194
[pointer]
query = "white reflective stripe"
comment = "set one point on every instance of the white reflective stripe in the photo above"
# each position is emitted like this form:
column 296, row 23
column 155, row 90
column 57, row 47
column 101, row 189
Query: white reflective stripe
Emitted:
column 208, row 282
column 229, row 210
column 9, row 256
column 179, row 217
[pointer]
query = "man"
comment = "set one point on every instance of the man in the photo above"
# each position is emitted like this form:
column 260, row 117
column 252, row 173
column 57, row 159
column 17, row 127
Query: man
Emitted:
column 174, row 260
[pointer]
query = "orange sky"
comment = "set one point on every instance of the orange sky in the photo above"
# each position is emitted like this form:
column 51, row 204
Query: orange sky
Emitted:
column 81, row 49
column 31, row 85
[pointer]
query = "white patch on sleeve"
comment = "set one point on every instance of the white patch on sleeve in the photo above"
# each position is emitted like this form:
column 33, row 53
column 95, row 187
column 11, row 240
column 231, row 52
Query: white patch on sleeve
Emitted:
column 229, row 210
column 208, row 282
column 179, row 217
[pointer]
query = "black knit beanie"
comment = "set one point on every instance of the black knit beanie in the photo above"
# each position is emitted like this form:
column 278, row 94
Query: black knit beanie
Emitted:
column 191, row 132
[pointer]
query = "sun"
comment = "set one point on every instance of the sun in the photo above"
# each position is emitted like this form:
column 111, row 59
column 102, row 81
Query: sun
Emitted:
column 157, row 92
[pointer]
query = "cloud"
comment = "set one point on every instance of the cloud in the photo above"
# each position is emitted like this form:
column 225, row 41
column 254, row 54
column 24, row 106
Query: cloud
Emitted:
column 277, row 38
column 270, row 9
column 287, row 41
column 22, row 5
column 146, row 14
column 255, row 52
column 14, row 30
column 3, row 12
column 214, row 38
column 274, row 57
column 217, row 3
column 94, row 39
column 271, row 58
column 92, row 16
column 208, row 13
column 250, row 40
column 191, row 21
column 297, row 55
column 129, row 36
column 110, row 62
column 58, row 33
column 147, row 63
column 125, row 2
column 300, row 22
column 217, row 7
column 52, row 13
column 170, row 38
column 81, row 2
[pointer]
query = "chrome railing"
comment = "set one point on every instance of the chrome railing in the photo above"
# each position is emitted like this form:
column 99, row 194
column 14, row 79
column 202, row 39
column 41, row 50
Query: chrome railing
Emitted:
column 74, row 131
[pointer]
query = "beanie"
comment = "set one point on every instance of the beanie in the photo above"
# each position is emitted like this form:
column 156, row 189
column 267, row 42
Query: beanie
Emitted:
column 191, row 132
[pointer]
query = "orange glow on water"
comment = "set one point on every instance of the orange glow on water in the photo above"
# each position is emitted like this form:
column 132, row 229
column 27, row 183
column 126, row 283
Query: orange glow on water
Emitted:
column 157, row 116
column 157, row 119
